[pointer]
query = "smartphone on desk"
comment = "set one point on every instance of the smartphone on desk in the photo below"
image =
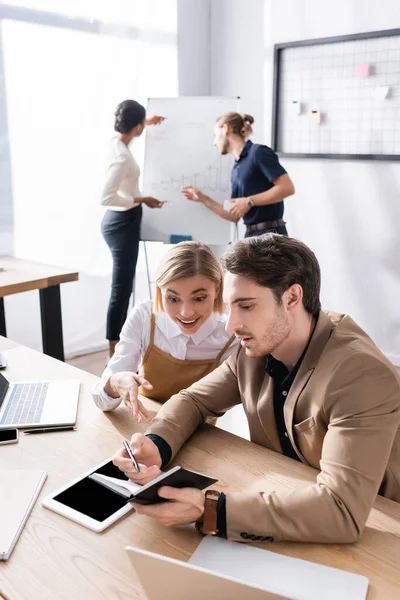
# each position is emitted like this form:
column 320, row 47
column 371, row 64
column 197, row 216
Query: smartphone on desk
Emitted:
column 9, row 436
column 3, row 361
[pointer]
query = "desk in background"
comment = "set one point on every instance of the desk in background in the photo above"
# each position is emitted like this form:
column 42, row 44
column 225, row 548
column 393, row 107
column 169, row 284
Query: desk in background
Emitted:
column 23, row 276
column 57, row 558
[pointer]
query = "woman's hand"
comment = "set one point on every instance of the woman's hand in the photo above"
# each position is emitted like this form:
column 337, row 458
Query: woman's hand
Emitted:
column 125, row 385
column 146, row 454
column 152, row 202
column 154, row 120
column 192, row 193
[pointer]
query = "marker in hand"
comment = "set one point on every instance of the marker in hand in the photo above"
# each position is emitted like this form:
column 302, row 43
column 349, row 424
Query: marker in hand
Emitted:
column 130, row 454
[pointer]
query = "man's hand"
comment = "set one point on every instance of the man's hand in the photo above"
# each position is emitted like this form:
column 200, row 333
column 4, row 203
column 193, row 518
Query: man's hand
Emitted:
column 192, row 193
column 239, row 207
column 125, row 385
column 186, row 506
column 146, row 454
column 152, row 202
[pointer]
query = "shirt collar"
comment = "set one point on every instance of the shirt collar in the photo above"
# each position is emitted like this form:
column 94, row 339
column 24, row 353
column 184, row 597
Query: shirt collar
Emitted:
column 278, row 371
column 245, row 150
column 171, row 329
column 206, row 329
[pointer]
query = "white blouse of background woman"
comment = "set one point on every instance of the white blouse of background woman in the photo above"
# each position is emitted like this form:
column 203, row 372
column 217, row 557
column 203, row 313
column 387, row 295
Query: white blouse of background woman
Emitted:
column 122, row 182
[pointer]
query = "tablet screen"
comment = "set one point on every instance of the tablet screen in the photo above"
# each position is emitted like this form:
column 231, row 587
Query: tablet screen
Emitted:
column 92, row 499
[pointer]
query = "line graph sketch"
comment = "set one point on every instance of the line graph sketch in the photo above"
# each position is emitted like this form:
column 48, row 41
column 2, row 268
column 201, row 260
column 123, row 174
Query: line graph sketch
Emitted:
column 215, row 177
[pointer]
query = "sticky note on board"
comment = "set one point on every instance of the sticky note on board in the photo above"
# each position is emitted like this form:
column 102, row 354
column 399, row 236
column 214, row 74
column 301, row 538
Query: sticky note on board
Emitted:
column 315, row 117
column 295, row 107
column 364, row 70
column 381, row 92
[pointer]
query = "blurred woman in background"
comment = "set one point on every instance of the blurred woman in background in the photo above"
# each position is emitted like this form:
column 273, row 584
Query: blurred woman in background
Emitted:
column 121, row 223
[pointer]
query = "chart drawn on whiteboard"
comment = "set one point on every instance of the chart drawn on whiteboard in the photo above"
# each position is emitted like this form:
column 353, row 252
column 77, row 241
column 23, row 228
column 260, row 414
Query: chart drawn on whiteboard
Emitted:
column 180, row 152
column 215, row 177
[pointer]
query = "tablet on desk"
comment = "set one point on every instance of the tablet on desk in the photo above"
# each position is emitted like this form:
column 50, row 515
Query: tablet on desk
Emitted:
column 103, row 495
column 89, row 503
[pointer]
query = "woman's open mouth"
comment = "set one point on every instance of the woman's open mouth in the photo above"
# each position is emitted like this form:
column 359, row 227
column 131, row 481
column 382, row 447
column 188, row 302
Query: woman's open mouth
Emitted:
column 186, row 324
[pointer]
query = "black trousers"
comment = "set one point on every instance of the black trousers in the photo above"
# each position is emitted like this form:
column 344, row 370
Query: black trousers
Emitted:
column 282, row 230
column 121, row 231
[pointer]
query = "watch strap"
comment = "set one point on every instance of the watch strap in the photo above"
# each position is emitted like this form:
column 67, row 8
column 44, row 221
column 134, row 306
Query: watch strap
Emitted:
column 208, row 525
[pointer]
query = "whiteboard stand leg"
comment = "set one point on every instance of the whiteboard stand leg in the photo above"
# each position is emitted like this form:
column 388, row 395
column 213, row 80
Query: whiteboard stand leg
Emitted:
column 147, row 268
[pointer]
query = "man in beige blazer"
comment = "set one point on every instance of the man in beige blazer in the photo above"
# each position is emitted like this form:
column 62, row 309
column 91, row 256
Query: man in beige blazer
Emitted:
column 313, row 386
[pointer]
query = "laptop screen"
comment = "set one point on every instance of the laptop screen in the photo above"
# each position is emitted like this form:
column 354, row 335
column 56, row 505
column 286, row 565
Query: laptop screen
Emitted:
column 4, row 385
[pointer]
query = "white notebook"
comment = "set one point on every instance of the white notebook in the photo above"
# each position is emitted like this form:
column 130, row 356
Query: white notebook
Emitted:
column 19, row 490
column 292, row 577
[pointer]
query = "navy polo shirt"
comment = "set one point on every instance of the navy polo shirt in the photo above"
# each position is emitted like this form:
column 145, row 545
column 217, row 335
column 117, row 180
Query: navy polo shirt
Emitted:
column 253, row 174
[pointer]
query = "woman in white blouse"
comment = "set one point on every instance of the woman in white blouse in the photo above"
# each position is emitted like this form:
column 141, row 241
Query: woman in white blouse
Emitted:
column 121, row 223
column 176, row 340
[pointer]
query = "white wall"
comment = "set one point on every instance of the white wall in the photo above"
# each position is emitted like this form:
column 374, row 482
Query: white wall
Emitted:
column 347, row 211
column 238, row 53
column 194, row 47
column 6, row 206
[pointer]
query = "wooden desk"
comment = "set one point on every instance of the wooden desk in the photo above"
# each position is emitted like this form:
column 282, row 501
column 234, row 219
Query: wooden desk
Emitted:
column 58, row 559
column 23, row 276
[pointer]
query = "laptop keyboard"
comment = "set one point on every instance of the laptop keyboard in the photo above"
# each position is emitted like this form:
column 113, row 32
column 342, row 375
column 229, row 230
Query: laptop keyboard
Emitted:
column 25, row 404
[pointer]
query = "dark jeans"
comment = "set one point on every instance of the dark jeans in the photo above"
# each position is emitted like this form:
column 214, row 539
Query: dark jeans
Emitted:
column 282, row 230
column 121, row 231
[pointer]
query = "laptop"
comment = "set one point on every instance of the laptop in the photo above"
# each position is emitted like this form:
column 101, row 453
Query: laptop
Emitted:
column 21, row 487
column 32, row 403
column 181, row 581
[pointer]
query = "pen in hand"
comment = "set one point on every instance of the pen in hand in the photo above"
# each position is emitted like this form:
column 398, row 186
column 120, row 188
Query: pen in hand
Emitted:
column 130, row 454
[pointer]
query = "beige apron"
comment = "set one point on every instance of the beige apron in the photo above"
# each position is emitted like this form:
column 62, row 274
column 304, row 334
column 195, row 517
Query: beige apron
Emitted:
column 169, row 375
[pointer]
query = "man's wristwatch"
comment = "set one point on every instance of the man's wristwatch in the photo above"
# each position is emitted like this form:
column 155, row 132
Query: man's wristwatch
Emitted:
column 208, row 524
column 250, row 202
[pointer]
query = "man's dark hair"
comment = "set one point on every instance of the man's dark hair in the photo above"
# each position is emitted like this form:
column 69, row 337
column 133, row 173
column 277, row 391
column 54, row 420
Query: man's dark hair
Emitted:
column 277, row 262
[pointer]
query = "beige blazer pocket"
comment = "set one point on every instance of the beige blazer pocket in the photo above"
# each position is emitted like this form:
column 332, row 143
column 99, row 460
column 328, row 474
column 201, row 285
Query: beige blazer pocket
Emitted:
column 305, row 425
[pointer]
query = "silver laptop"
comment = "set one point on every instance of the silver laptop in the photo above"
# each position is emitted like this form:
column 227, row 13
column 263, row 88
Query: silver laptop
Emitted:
column 183, row 581
column 32, row 403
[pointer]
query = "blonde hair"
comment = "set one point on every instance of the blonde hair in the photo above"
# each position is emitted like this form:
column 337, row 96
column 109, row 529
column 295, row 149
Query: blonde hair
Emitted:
column 188, row 259
column 240, row 124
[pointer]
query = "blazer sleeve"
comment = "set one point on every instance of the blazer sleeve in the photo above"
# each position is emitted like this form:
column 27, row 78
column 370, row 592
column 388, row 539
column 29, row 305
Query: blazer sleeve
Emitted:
column 212, row 396
column 362, row 409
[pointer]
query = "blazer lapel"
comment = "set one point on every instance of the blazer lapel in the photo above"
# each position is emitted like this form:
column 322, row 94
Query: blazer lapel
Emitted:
column 266, row 415
column 320, row 337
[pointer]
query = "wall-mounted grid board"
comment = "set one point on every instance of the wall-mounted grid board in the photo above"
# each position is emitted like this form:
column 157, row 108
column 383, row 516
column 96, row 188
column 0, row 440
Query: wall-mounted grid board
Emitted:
column 338, row 97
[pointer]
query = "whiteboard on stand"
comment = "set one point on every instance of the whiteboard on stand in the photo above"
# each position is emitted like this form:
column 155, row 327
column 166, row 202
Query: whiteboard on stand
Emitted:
column 180, row 152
